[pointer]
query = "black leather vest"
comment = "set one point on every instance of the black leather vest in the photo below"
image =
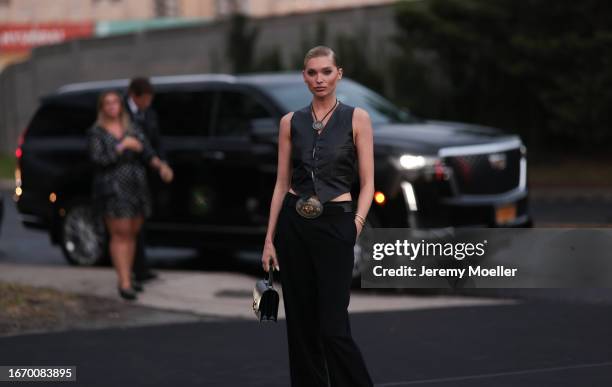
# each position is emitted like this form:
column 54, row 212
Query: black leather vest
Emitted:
column 323, row 164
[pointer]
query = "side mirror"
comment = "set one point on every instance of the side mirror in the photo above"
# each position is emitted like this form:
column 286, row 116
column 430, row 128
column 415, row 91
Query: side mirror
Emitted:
column 264, row 130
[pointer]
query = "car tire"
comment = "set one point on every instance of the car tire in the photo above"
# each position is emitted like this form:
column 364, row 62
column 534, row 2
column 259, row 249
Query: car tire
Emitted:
column 83, row 237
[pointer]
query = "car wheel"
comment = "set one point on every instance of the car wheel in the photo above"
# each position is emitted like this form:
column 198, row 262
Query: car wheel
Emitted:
column 83, row 236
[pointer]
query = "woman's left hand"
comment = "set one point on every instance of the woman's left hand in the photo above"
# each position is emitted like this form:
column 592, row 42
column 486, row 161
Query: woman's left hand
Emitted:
column 359, row 227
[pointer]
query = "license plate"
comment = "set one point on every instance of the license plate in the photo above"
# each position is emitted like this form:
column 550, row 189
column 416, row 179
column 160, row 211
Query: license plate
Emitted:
column 505, row 213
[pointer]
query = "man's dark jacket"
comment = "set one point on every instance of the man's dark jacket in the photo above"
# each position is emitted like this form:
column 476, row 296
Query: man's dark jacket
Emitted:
column 147, row 121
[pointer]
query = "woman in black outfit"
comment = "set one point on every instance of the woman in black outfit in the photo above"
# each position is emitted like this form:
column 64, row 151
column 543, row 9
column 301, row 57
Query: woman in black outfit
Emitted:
column 121, row 153
column 313, row 226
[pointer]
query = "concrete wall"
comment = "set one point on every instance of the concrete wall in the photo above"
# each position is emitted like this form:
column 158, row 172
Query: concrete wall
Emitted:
column 198, row 49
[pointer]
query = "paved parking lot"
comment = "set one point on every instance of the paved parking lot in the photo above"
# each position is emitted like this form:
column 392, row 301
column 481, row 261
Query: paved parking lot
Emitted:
column 527, row 345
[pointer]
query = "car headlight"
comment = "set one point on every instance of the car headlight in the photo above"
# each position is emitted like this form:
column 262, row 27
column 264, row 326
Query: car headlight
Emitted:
column 411, row 162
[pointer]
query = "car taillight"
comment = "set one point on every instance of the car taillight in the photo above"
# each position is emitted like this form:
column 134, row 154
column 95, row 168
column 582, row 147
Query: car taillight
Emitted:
column 19, row 150
column 19, row 155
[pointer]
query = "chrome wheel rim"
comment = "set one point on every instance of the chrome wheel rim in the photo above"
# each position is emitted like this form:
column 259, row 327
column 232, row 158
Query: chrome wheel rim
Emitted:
column 83, row 236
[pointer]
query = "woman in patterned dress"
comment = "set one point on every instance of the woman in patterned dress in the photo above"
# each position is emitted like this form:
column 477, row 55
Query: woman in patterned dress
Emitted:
column 120, row 153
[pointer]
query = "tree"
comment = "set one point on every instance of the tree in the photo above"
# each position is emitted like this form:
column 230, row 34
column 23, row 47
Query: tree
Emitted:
column 535, row 66
column 241, row 43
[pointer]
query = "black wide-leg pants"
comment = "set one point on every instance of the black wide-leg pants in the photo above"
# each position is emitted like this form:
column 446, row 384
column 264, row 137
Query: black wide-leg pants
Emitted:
column 316, row 261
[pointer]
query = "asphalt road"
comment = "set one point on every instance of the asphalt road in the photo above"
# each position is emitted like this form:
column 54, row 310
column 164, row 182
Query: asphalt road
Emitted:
column 531, row 344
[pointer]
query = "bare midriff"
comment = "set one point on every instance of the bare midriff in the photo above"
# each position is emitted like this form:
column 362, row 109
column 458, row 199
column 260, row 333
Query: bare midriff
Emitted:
column 342, row 197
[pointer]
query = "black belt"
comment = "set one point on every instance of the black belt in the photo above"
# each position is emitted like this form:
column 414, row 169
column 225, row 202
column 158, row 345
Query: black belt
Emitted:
column 329, row 207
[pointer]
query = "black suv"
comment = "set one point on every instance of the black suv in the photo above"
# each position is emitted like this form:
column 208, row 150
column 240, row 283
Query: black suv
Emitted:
column 220, row 135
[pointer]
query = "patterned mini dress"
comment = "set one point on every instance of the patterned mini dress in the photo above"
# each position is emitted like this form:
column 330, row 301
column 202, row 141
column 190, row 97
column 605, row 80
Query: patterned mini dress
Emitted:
column 120, row 188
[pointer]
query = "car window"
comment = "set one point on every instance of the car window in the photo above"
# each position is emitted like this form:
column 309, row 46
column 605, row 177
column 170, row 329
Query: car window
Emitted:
column 184, row 113
column 235, row 112
column 62, row 118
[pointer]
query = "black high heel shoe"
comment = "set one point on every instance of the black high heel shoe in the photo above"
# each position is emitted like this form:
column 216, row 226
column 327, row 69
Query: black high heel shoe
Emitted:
column 127, row 294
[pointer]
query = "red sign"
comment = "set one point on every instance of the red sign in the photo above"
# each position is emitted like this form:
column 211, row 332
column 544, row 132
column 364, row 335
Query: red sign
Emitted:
column 22, row 37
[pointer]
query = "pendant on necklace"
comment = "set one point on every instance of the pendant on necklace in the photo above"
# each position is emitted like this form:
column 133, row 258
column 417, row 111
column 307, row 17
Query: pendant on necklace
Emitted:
column 318, row 124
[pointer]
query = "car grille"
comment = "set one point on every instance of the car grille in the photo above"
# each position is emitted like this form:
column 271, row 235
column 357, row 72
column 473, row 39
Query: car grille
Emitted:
column 486, row 173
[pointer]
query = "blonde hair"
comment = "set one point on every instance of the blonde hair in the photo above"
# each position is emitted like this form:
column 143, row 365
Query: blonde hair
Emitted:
column 318, row 51
column 124, row 118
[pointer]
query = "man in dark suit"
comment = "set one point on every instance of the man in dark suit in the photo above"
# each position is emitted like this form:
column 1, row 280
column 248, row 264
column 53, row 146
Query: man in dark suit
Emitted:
column 138, row 104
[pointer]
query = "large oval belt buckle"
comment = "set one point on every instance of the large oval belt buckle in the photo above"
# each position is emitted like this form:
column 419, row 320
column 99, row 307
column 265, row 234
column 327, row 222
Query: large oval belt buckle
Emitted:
column 309, row 207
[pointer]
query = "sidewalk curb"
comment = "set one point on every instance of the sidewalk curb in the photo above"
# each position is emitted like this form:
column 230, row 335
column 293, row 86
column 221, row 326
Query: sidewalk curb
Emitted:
column 213, row 294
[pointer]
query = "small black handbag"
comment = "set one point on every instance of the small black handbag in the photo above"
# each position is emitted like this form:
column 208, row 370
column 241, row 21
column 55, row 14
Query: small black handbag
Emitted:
column 265, row 299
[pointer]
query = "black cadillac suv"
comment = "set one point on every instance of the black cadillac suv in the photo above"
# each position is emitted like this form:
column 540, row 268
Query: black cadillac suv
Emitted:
column 219, row 133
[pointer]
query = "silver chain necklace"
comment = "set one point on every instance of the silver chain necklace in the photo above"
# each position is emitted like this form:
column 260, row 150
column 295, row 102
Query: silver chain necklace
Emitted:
column 318, row 124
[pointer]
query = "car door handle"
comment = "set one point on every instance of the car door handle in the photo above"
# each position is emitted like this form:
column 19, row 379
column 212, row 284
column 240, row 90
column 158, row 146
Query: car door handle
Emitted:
column 213, row 155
